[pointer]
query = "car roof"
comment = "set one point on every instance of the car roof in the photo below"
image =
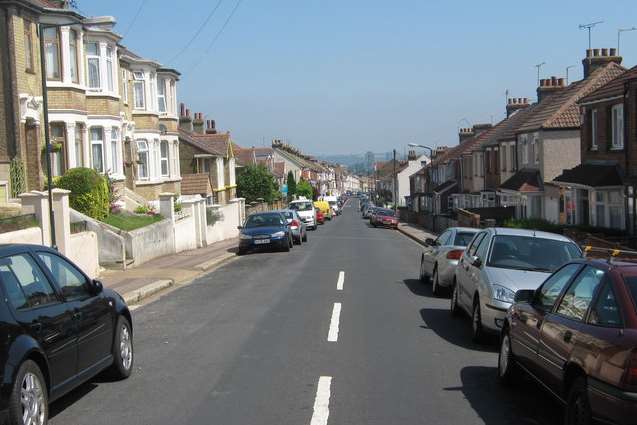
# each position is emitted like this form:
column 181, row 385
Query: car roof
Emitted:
column 526, row 232
column 9, row 248
column 465, row 229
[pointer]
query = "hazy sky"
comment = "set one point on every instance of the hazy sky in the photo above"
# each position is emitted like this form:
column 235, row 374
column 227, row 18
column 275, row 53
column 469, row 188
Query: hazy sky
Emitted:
column 347, row 76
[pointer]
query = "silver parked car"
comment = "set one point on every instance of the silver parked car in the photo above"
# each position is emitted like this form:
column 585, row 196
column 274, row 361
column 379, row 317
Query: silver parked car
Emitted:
column 497, row 263
column 297, row 226
column 440, row 257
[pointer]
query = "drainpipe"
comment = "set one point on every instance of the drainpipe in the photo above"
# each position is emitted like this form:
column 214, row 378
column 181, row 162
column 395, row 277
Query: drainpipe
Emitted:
column 626, row 157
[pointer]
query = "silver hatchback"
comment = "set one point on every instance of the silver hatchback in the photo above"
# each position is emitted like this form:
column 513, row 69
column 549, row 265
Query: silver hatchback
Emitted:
column 497, row 263
column 440, row 257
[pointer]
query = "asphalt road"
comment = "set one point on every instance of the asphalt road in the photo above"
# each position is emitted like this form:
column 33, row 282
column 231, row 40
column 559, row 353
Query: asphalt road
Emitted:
column 248, row 345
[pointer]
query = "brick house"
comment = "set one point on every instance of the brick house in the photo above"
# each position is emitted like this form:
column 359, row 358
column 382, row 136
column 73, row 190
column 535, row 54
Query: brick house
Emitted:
column 601, row 190
column 204, row 151
column 549, row 138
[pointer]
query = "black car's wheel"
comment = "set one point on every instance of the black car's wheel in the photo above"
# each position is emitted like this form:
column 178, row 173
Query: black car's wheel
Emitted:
column 506, row 361
column 454, row 307
column 241, row 251
column 578, row 408
column 122, row 350
column 435, row 284
column 286, row 246
column 476, row 322
column 28, row 403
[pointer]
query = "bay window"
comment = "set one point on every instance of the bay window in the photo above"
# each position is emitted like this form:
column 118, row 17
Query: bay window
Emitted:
column 139, row 87
column 97, row 149
column 161, row 94
column 52, row 53
column 164, row 158
column 617, row 120
column 73, row 37
column 114, row 156
column 79, row 145
column 93, row 66
column 142, row 158
column 109, row 69
column 609, row 209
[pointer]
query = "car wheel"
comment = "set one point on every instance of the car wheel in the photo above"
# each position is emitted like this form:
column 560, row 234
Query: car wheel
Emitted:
column 28, row 403
column 578, row 408
column 297, row 241
column 241, row 251
column 286, row 247
column 476, row 322
column 455, row 308
column 506, row 360
column 423, row 276
column 435, row 284
column 305, row 237
column 122, row 350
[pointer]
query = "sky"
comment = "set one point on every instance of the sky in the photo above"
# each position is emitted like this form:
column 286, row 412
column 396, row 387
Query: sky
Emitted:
column 349, row 76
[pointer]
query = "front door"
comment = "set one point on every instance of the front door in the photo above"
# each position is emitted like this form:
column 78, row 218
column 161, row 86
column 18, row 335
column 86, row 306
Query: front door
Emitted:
column 42, row 314
column 92, row 312
column 562, row 329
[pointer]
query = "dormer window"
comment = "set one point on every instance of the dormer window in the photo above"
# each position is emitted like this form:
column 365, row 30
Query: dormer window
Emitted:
column 139, row 87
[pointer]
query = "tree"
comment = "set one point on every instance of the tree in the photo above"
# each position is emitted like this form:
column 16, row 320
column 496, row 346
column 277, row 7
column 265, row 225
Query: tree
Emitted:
column 304, row 188
column 291, row 185
column 256, row 181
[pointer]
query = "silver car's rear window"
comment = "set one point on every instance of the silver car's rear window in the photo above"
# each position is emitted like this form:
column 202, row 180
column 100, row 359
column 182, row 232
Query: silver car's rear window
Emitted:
column 463, row 238
column 531, row 253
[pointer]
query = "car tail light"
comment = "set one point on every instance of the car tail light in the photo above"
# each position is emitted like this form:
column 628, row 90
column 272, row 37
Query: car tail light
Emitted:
column 454, row 254
column 295, row 224
column 630, row 374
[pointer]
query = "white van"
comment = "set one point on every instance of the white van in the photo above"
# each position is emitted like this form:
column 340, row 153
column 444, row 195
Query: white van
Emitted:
column 333, row 201
column 306, row 211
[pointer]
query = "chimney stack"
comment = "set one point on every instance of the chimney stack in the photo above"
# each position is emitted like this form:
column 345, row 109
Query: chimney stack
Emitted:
column 411, row 155
column 198, row 124
column 598, row 58
column 185, row 122
column 549, row 86
column 481, row 128
column 465, row 134
column 210, row 127
column 515, row 104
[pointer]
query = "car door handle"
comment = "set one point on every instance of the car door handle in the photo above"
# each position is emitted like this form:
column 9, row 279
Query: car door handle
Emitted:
column 37, row 327
column 568, row 336
column 77, row 315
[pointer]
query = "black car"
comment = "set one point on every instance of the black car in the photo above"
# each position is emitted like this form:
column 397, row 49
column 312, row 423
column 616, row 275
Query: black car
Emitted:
column 59, row 329
column 267, row 230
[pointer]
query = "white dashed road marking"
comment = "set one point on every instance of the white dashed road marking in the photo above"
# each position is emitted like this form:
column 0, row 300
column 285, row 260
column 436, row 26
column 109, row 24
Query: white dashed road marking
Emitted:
column 322, row 401
column 332, row 335
column 341, row 280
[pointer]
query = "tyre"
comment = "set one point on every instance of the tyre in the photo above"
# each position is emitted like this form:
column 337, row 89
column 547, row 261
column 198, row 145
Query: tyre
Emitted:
column 578, row 408
column 241, row 251
column 122, row 350
column 28, row 402
column 286, row 247
column 435, row 284
column 476, row 322
column 423, row 276
column 454, row 307
column 296, row 241
column 507, row 369
column 305, row 236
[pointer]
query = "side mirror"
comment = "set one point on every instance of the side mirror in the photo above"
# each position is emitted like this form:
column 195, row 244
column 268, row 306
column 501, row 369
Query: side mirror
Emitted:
column 524, row 296
column 98, row 287
column 476, row 261
column 430, row 241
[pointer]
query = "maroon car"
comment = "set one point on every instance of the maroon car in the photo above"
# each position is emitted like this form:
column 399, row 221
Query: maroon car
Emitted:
column 384, row 217
column 577, row 335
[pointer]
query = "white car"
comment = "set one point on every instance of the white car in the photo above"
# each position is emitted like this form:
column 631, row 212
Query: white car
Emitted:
column 499, row 262
column 307, row 212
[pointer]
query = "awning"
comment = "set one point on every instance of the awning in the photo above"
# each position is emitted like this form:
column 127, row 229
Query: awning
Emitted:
column 526, row 180
column 591, row 176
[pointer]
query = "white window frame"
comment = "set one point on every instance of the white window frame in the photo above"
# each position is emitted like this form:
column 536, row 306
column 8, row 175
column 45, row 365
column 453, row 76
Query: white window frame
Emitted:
column 114, row 150
column 139, row 78
column 125, row 86
column 143, row 151
column 164, row 159
column 110, row 68
column 79, row 144
column 74, row 56
column 162, row 104
column 97, row 142
column 93, row 57
column 594, row 146
column 617, row 119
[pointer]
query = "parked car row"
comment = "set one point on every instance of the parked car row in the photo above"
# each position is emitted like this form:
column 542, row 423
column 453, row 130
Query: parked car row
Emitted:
column 567, row 321
column 378, row 216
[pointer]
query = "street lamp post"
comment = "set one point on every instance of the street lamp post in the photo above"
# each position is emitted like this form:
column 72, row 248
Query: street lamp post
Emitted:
column 416, row 145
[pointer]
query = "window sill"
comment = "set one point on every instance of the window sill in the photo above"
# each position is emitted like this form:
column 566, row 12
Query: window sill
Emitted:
column 593, row 149
column 144, row 112
column 616, row 149
column 151, row 182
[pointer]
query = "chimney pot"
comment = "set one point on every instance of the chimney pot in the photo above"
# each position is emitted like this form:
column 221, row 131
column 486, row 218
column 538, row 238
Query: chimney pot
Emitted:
column 595, row 52
column 188, row 112
column 182, row 109
column 509, row 101
column 589, row 53
column 604, row 52
column 613, row 51
column 554, row 81
column 560, row 82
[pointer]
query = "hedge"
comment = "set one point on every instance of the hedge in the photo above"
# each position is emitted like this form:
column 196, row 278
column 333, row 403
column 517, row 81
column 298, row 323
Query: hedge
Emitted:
column 90, row 193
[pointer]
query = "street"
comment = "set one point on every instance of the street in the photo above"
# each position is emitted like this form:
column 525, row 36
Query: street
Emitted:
column 248, row 344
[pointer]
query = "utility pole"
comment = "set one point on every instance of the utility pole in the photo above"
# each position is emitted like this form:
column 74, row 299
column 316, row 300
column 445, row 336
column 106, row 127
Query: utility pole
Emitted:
column 394, row 195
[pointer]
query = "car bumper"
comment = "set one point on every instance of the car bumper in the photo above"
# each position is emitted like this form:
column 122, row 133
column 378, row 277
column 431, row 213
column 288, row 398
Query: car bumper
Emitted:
column 611, row 404
column 493, row 313
column 249, row 244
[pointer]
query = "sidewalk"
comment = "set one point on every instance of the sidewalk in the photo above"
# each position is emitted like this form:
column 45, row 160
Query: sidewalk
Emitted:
column 417, row 233
column 160, row 273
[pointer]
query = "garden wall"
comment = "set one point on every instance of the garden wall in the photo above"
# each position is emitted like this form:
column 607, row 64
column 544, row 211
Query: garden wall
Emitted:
column 185, row 231
column 150, row 242
column 32, row 235
column 84, row 252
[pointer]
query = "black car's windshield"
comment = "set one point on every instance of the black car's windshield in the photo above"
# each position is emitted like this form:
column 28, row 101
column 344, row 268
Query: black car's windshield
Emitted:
column 263, row 220
column 463, row 238
column 301, row 206
column 531, row 253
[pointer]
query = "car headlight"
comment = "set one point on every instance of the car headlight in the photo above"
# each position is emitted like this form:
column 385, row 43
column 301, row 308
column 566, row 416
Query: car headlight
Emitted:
column 278, row 234
column 501, row 293
column 245, row 237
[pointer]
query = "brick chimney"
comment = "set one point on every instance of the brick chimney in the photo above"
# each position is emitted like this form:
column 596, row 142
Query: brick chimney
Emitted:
column 185, row 121
column 198, row 123
column 465, row 134
column 515, row 104
column 481, row 128
column 411, row 156
column 549, row 86
column 597, row 58
column 210, row 127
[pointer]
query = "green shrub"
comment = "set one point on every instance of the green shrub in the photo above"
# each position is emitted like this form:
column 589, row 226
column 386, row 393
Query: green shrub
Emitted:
column 90, row 193
column 17, row 175
column 177, row 207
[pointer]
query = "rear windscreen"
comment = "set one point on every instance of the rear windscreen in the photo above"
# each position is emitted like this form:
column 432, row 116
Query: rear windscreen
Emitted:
column 631, row 284
column 463, row 238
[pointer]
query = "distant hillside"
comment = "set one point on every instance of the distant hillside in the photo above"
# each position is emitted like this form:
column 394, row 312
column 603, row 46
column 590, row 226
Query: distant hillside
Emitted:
column 352, row 159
